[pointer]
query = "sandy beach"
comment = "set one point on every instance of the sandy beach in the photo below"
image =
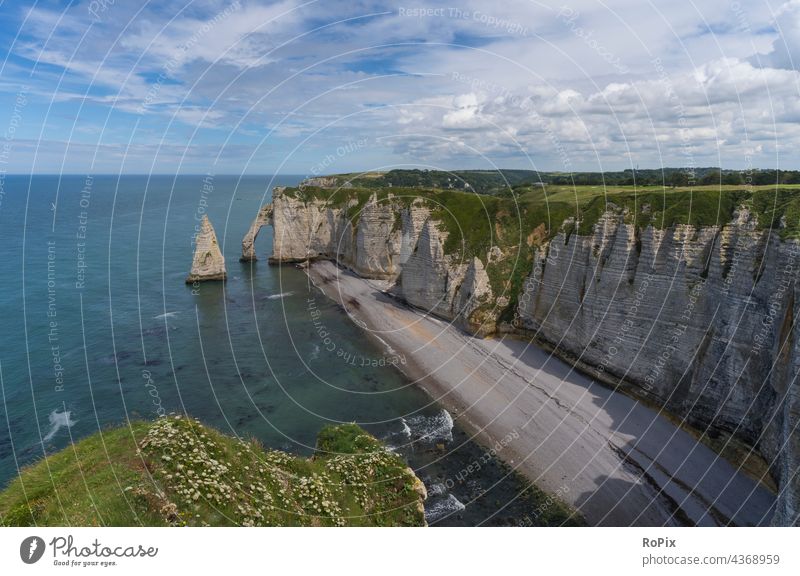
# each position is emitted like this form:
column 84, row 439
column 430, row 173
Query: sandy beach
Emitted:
column 617, row 461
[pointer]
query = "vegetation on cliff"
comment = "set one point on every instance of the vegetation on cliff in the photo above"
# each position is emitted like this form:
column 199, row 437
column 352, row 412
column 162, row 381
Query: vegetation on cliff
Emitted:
column 480, row 181
column 177, row 472
column 501, row 180
column 520, row 216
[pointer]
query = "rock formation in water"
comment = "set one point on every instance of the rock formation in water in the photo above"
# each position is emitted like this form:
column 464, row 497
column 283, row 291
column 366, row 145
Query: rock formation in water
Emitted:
column 698, row 319
column 249, row 240
column 208, row 262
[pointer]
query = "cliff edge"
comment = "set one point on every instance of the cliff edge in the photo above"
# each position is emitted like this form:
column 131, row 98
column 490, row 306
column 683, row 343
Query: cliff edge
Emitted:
column 177, row 472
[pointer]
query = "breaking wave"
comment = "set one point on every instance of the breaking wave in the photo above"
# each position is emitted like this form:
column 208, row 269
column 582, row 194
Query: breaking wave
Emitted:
column 278, row 296
column 442, row 508
column 430, row 429
column 58, row 420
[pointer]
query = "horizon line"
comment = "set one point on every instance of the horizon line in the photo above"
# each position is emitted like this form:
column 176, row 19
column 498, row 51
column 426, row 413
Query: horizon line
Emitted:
column 261, row 174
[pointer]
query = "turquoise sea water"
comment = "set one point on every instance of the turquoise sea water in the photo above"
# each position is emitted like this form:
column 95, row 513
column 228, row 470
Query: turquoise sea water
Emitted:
column 98, row 327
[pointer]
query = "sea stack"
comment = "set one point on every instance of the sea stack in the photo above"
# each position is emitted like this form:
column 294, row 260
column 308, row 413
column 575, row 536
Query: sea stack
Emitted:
column 249, row 240
column 208, row 263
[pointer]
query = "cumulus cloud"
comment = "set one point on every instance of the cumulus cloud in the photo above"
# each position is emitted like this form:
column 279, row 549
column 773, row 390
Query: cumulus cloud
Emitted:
column 785, row 50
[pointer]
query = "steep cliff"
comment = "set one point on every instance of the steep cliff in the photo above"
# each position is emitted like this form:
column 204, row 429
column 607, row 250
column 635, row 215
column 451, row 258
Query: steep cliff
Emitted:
column 208, row 262
column 687, row 301
column 249, row 240
column 444, row 284
column 698, row 320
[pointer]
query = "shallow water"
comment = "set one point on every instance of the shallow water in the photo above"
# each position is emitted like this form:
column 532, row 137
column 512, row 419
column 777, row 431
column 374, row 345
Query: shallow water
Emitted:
column 99, row 328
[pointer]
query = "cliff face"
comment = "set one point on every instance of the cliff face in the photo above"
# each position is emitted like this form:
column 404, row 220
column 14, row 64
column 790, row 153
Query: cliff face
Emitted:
column 208, row 262
column 700, row 320
column 387, row 240
column 445, row 285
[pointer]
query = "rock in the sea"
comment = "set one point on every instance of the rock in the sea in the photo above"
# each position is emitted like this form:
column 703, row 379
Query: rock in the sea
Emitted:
column 249, row 240
column 208, row 263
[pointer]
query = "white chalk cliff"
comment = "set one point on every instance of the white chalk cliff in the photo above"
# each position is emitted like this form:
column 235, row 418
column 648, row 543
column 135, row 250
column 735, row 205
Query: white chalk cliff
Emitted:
column 698, row 320
column 208, row 262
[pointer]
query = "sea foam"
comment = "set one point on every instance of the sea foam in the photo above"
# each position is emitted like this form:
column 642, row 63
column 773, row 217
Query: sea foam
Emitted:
column 431, row 429
column 442, row 508
column 58, row 420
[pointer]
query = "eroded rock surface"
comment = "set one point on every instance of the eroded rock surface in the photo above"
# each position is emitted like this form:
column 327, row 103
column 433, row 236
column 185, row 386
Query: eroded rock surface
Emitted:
column 700, row 321
column 249, row 240
column 208, row 262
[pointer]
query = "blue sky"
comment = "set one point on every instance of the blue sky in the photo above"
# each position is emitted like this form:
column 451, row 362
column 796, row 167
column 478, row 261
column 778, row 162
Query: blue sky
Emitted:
column 332, row 86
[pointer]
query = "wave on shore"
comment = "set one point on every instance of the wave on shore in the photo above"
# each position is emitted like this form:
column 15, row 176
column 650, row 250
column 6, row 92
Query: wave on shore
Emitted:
column 166, row 315
column 443, row 508
column 430, row 429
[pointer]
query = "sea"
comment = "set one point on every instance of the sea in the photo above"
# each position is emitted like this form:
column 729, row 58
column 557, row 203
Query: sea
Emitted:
column 99, row 328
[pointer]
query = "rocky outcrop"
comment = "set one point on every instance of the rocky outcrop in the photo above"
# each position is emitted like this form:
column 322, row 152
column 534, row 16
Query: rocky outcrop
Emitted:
column 388, row 240
column 249, row 240
column 303, row 230
column 700, row 321
column 444, row 285
column 428, row 277
column 369, row 239
column 208, row 262
column 475, row 292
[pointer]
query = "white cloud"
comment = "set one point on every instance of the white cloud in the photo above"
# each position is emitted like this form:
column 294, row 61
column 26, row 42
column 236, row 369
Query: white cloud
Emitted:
column 785, row 50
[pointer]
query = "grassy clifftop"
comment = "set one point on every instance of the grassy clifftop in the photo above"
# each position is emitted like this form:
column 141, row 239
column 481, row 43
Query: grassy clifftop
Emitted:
column 177, row 472
column 511, row 214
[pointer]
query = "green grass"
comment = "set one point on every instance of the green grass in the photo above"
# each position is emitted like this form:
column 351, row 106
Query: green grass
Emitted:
column 481, row 181
column 177, row 472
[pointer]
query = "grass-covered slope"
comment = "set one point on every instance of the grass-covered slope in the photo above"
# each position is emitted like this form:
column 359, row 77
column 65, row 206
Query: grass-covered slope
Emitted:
column 177, row 472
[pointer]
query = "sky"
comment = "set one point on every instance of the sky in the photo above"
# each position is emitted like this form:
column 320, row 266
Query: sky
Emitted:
column 325, row 86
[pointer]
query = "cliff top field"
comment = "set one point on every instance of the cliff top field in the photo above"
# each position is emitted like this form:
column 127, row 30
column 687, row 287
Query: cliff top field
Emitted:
column 773, row 206
column 177, row 472
column 497, row 181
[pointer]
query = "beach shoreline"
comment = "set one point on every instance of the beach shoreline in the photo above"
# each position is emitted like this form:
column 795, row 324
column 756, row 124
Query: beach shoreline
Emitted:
column 615, row 460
